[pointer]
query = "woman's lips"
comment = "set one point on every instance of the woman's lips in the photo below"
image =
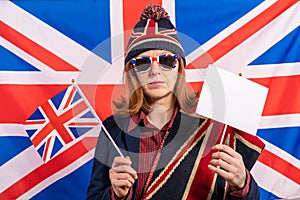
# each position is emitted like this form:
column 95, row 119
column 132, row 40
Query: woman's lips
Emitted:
column 156, row 83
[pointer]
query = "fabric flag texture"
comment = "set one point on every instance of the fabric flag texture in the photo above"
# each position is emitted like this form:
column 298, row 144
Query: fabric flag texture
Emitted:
column 59, row 122
column 231, row 99
column 45, row 44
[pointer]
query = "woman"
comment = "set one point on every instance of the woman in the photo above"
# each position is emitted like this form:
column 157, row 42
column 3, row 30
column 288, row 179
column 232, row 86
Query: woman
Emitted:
column 170, row 152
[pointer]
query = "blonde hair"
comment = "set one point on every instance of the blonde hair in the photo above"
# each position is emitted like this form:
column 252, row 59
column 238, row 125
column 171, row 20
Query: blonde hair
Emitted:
column 136, row 100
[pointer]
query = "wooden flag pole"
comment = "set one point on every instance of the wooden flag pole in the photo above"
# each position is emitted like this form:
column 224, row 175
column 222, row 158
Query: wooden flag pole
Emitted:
column 223, row 134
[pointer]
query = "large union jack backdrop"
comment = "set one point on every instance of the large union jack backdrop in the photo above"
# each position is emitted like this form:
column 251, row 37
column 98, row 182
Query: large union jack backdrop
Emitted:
column 45, row 44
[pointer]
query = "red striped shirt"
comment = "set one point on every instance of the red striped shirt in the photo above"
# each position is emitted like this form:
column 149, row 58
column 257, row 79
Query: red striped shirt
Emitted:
column 151, row 140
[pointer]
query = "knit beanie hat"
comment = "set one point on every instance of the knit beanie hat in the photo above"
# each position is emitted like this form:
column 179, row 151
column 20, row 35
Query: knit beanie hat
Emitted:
column 153, row 31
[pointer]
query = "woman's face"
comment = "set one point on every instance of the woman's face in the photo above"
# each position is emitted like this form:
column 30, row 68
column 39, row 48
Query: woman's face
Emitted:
column 157, row 82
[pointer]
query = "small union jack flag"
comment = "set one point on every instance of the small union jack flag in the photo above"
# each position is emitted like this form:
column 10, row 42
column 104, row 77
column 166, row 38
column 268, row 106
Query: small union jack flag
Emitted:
column 59, row 122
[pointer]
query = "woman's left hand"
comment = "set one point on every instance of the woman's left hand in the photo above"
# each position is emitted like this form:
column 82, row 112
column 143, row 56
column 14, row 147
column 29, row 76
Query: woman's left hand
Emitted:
column 229, row 164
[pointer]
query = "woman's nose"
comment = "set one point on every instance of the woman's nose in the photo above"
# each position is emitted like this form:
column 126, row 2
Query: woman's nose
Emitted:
column 155, row 69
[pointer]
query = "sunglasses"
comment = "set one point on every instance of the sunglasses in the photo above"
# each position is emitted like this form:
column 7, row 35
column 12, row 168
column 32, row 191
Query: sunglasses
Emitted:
column 143, row 64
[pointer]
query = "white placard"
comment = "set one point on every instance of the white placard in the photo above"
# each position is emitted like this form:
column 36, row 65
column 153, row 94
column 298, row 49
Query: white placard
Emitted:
column 232, row 99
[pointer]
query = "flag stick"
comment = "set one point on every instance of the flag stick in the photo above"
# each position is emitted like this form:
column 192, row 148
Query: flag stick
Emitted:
column 99, row 120
column 223, row 134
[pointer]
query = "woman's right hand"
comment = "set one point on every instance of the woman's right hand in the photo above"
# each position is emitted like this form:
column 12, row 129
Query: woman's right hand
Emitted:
column 122, row 176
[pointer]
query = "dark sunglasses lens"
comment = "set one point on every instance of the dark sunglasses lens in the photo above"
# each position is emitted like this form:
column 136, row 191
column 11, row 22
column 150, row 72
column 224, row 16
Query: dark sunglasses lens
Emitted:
column 167, row 62
column 142, row 64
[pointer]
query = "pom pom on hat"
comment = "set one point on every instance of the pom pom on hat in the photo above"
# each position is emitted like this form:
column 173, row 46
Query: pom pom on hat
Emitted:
column 154, row 12
column 153, row 31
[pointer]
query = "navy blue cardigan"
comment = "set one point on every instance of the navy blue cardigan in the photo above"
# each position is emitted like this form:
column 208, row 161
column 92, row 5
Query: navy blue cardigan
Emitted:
column 172, row 178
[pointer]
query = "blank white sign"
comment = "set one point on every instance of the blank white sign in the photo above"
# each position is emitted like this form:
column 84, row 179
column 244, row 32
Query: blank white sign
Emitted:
column 232, row 99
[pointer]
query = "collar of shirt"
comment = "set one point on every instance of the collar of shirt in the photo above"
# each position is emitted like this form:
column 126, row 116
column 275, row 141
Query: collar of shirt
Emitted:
column 140, row 118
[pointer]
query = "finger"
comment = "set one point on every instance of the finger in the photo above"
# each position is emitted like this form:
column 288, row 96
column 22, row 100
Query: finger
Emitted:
column 224, row 165
column 128, row 158
column 121, row 183
column 226, row 175
column 125, row 169
column 234, row 176
column 122, row 176
column 121, row 161
column 223, row 156
column 226, row 149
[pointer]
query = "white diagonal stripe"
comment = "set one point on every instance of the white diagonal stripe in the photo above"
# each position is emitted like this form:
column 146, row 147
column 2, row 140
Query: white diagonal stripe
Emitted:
column 59, row 175
column 91, row 65
column 229, row 30
column 274, row 182
column 237, row 59
column 29, row 160
column 23, row 163
column 25, row 56
column 44, row 35
column 282, row 154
